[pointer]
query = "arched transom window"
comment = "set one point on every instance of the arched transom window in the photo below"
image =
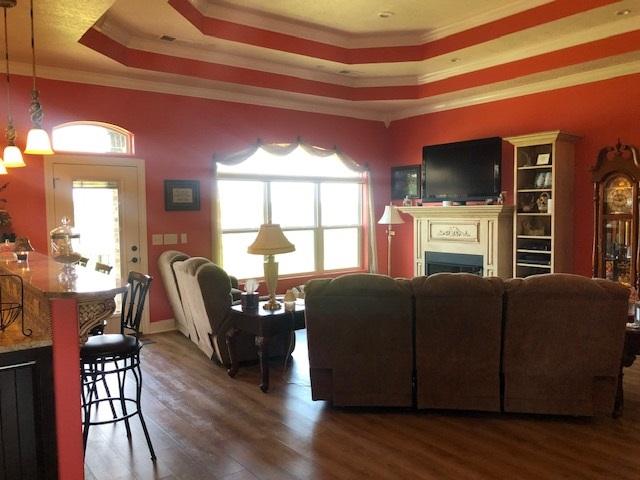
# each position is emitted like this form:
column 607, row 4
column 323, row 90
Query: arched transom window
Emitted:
column 92, row 137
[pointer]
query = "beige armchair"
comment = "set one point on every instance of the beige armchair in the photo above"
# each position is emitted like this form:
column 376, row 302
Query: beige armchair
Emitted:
column 563, row 343
column 206, row 297
column 359, row 331
column 165, row 264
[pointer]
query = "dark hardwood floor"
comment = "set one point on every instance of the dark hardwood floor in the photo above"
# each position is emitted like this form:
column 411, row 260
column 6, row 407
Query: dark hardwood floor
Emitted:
column 205, row 425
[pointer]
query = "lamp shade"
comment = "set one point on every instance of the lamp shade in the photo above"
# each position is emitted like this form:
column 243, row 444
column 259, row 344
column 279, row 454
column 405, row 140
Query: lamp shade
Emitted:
column 390, row 216
column 38, row 142
column 270, row 241
column 13, row 157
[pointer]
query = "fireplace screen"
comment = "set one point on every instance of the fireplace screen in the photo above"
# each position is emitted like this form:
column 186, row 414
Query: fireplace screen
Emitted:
column 436, row 262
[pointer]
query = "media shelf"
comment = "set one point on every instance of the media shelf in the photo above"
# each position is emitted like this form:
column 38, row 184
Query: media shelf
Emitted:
column 543, row 193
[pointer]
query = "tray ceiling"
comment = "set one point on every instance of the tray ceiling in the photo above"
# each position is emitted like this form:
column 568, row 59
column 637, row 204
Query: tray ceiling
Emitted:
column 376, row 59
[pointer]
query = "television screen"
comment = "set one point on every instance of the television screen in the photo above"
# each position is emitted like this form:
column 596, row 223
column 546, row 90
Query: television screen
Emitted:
column 462, row 171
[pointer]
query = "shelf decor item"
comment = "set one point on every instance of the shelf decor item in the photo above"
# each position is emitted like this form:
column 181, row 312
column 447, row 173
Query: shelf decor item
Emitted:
column 543, row 159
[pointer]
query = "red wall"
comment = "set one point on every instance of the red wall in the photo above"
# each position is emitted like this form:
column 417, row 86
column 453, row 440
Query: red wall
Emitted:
column 176, row 136
column 599, row 112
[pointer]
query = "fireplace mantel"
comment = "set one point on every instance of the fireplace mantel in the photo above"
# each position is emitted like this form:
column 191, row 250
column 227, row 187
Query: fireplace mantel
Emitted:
column 485, row 230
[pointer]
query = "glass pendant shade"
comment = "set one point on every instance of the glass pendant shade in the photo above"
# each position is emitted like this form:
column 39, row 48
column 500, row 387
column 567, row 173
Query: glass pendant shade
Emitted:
column 3, row 170
column 13, row 157
column 38, row 142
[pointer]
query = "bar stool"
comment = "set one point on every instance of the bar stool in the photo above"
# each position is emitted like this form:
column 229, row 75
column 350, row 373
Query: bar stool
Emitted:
column 108, row 355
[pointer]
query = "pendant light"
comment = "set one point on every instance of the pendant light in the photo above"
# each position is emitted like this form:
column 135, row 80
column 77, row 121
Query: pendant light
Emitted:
column 38, row 142
column 12, row 155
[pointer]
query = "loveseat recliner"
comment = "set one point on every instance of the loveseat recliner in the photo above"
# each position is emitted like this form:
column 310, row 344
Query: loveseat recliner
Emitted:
column 547, row 344
column 359, row 330
column 201, row 295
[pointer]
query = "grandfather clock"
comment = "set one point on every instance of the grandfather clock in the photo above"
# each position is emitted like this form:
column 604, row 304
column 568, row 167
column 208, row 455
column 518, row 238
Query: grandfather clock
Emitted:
column 616, row 178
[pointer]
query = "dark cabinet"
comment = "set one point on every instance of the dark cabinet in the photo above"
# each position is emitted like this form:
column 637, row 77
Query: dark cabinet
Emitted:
column 27, row 415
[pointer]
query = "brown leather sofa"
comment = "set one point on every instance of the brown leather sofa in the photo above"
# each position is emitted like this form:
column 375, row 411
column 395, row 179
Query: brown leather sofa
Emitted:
column 547, row 344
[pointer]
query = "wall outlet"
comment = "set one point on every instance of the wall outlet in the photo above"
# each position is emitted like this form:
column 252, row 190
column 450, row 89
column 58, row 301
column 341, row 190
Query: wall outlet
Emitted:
column 156, row 239
column 183, row 238
column 170, row 238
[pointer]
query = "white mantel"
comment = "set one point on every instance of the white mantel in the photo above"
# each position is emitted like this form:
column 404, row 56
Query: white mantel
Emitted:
column 485, row 230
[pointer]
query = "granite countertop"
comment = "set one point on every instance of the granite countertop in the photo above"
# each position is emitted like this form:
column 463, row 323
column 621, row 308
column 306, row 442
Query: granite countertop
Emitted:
column 12, row 340
column 43, row 281
column 43, row 273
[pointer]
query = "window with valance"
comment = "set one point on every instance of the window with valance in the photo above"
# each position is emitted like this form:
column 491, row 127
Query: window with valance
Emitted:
column 320, row 198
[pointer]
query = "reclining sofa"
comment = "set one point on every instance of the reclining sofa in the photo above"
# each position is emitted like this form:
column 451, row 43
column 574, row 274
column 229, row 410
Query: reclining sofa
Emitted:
column 549, row 344
column 201, row 295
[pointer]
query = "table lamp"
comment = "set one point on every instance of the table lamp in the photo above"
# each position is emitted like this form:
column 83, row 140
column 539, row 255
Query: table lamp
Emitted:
column 390, row 217
column 269, row 242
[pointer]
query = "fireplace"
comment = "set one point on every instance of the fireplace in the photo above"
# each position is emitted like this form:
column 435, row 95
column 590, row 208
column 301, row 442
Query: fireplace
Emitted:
column 481, row 235
column 436, row 262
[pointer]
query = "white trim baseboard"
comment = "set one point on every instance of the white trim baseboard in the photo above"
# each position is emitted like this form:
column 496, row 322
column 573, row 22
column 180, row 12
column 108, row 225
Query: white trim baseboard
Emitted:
column 160, row 326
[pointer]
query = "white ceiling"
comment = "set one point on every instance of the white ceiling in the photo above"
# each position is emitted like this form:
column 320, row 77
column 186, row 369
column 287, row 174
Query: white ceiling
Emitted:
column 457, row 74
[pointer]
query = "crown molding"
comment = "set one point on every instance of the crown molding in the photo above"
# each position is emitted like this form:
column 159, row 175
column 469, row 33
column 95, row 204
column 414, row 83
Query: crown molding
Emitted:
column 382, row 111
column 553, row 80
column 322, row 72
column 571, row 39
column 232, row 93
column 309, row 31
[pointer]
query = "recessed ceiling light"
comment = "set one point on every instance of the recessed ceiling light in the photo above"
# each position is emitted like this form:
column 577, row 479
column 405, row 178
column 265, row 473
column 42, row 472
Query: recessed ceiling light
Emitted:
column 167, row 38
column 624, row 12
column 385, row 14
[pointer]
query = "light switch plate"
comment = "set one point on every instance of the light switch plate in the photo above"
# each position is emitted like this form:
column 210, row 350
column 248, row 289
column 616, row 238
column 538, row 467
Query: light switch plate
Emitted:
column 170, row 238
column 156, row 239
column 183, row 238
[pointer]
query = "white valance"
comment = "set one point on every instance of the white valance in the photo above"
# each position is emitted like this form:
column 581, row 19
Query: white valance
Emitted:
column 280, row 149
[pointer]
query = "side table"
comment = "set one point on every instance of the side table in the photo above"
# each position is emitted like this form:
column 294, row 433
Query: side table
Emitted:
column 629, row 354
column 264, row 324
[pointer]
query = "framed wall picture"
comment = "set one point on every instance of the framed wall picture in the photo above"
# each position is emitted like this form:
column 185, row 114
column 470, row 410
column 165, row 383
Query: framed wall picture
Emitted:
column 543, row 159
column 405, row 181
column 181, row 195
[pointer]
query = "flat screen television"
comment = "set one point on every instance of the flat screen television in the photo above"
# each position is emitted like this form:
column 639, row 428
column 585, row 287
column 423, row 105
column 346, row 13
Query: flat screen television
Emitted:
column 462, row 171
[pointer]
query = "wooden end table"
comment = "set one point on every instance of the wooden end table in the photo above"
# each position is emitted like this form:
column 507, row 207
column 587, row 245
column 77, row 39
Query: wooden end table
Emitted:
column 629, row 354
column 264, row 324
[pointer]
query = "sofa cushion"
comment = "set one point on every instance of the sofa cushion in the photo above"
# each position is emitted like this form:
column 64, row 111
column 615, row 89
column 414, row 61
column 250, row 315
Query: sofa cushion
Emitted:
column 563, row 342
column 359, row 330
column 458, row 341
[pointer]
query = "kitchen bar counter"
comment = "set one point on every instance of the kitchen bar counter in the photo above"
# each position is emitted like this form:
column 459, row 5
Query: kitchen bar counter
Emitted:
column 59, row 311
column 93, row 291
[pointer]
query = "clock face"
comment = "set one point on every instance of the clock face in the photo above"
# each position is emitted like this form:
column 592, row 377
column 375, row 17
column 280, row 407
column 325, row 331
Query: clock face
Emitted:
column 618, row 196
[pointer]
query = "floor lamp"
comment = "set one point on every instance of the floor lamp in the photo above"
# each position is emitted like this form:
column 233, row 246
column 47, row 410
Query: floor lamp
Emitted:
column 390, row 217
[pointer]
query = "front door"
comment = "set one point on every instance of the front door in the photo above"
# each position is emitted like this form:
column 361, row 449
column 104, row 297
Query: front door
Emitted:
column 103, row 202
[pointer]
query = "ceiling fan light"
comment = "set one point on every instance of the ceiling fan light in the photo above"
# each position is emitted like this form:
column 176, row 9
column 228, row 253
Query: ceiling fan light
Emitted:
column 38, row 142
column 13, row 157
